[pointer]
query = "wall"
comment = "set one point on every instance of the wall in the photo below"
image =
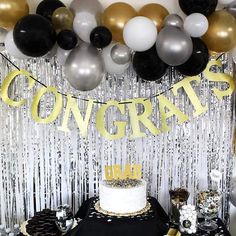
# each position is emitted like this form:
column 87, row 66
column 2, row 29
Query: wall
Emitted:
column 172, row 6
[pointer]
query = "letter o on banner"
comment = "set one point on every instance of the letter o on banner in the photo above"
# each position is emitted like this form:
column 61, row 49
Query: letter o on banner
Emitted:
column 56, row 110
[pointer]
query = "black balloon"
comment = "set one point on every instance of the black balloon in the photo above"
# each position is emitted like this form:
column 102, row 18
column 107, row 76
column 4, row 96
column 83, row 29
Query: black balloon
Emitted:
column 148, row 65
column 34, row 35
column 198, row 61
column 205, row 7
column 47, row 7
column 67, row 39
column 101, row 37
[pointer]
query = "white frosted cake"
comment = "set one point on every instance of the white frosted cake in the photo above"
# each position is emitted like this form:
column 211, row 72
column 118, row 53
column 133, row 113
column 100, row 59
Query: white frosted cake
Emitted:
column 123, row 196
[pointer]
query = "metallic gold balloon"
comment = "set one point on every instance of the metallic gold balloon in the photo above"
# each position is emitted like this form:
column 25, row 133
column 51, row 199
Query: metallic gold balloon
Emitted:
column 11, row 11
column 116, row 16
column 156, row 12
column 221, row 34
column 62, row 19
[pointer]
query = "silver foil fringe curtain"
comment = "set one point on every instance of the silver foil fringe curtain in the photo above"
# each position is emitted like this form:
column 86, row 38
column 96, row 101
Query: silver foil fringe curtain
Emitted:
column 41, row 167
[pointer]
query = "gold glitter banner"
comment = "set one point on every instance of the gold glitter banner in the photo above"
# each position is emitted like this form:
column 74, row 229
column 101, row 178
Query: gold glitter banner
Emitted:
column 128, row 108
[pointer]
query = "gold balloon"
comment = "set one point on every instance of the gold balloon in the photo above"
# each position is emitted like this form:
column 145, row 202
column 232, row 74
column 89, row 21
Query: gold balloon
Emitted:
column 62, row 18
column 156, row 12
column 221, row 34
column 11, row 11
column 116, row 16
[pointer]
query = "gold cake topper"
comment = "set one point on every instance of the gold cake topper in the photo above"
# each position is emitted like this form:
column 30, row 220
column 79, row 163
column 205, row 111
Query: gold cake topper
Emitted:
column 131, row 171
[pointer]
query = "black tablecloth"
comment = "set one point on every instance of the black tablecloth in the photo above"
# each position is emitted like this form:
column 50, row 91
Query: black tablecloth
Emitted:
column 155, row 222
column 152, row 223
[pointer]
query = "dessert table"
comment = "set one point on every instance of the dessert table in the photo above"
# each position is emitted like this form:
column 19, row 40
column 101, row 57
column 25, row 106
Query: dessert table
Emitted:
column 155, row 222
column 91, row 222
column 152, row 223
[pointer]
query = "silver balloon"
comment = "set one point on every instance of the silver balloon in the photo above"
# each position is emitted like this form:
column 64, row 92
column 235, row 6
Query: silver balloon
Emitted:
column 65, row 219
column 110, row 66
column 233, row 192
column 120, row 54
column 174, row 46
column 231, row 8
column 174, row 20
column 83, row 25
column 62, row 55
column 84, row 68
column 93, row 7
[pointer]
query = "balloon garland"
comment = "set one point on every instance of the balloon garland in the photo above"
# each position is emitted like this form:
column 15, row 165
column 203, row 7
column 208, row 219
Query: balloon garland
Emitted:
column 90, row 41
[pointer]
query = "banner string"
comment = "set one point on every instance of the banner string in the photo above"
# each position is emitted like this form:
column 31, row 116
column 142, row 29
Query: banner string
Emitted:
column 84, row 99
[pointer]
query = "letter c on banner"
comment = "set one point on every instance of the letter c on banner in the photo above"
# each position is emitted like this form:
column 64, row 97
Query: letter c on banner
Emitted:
column 56, row 110
column 7, row 83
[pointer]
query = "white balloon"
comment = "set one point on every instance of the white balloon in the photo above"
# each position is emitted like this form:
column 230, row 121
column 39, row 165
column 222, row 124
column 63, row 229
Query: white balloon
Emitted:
column 83, row 25
column 11, row 47
column 93, row 7
column 140, row 33
column 196, row 25
column 225, row 2
column 110, row 66
column 62, row 56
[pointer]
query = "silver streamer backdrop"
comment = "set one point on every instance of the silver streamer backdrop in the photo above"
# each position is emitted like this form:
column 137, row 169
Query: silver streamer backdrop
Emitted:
column 41, row 167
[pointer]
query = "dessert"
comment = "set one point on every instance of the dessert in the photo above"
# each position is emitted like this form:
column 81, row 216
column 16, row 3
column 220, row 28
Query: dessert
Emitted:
column 123, row 196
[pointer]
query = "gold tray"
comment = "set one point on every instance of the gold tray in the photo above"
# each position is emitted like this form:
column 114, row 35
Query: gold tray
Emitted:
column 100, row 210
